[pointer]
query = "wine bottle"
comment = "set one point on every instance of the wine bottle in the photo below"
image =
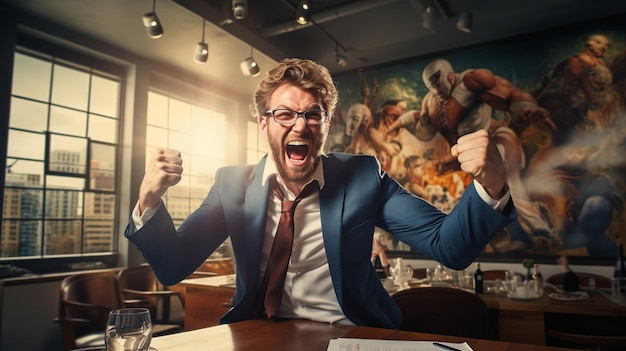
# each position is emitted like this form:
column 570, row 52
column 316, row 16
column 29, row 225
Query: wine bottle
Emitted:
column 478, row 280
column 619, row 276
column 620, row 266
column 538, row 280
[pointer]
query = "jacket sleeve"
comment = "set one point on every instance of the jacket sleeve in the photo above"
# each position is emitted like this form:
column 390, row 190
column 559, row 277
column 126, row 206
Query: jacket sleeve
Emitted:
column 175, row 253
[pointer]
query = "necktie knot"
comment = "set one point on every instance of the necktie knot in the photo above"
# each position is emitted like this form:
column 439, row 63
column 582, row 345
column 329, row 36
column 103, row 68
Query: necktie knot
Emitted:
column 288, row 206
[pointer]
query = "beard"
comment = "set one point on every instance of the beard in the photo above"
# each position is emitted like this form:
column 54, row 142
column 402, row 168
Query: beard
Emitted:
column 303, row 173
column 298, row 175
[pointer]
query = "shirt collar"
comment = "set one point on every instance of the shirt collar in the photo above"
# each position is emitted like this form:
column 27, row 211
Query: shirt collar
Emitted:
column 270, row 170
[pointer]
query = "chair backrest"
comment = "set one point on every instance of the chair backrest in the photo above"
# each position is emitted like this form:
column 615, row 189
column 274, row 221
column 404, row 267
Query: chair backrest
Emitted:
column 140, row 278
column 141, row 288
column 583, row 279
column 85, row 300
column 443, row 310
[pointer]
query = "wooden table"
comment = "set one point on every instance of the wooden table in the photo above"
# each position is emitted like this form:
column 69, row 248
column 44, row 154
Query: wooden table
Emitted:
column 306, row 335
column 207, row 299
column 526, row 320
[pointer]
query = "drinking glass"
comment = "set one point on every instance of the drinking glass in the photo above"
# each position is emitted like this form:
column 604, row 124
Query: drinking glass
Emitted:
column 401, row 274
column 128, row 329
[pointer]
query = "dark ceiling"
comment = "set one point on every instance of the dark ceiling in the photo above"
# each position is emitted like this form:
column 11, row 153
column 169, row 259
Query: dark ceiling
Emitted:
column 366, row 32
column 372, row 32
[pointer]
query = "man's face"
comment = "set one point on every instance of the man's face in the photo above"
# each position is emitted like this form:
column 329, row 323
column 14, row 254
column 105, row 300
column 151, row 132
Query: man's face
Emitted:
column 355, row 118
column 296, row 148
column 438, row 85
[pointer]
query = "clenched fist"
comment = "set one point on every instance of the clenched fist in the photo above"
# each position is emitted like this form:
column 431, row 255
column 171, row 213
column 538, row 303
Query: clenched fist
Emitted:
column 479, row 156
column 164, row 170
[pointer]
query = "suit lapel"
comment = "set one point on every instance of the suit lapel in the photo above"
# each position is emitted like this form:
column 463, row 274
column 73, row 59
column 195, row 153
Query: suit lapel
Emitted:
column 332, row 198
column 255, row 207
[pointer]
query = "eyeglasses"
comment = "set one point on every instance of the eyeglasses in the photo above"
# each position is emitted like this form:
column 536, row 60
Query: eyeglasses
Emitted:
column 287, row 116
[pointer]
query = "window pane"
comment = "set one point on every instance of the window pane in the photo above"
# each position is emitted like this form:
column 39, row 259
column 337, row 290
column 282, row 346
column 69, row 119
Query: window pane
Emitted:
column 24, row 173
column 22, row 203
column 157, row 109
column 102, row 129
column 67, row 154
column 200, row 186
column 99, row 206
column 30, row 115
column 26, row 145
column 104, row 96
column 155, row 137
column 20, row 238
column 102, row 176
column 31, row 77
column 62, row 237
column 179, row 116
column 65, row 182
column 66, row 121
column 63, row 204
column 218, row 136
column 70, row 87
column 97, row 235
column 179, row 141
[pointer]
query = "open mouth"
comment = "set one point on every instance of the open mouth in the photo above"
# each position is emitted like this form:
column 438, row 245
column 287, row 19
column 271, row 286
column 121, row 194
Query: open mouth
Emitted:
column 297, row 151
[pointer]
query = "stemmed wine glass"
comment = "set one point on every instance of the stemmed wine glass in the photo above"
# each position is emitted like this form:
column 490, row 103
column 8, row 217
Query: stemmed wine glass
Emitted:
column 128, row 329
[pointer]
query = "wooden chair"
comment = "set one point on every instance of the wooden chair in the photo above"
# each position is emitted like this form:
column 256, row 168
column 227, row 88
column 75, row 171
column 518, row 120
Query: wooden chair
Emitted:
column 602, row 282
column 141, row 288
column 443, row 310
column 85, row 300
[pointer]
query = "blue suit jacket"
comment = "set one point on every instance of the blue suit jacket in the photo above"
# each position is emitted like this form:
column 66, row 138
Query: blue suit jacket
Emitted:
column 357, row 196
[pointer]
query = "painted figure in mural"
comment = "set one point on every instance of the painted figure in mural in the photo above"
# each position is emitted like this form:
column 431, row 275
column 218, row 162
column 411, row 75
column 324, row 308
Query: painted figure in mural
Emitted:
column 461, row 103
column 358, row 118
column 394, row 145
column 569, row 175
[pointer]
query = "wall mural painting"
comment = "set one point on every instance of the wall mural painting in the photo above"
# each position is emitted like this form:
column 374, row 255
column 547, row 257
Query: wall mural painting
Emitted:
column 554, row 103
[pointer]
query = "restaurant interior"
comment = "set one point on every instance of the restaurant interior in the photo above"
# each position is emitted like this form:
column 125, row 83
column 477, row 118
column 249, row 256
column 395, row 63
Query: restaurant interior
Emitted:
column 203, row 61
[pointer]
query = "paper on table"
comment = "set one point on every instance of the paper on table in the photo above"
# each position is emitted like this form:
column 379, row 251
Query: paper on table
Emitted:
column 351, row 344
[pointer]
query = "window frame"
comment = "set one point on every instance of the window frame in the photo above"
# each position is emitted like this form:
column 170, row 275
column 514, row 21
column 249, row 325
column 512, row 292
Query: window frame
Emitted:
column 57, row 52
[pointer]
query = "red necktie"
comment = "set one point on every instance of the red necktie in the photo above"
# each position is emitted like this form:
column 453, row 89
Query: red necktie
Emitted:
column 271, row 290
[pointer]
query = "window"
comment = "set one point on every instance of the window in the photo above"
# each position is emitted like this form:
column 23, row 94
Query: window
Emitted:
column 200, row 134
column 257, row 143
column 60, row 191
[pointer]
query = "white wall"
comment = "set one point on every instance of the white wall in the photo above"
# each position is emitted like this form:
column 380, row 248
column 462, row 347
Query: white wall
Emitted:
column 28, row 312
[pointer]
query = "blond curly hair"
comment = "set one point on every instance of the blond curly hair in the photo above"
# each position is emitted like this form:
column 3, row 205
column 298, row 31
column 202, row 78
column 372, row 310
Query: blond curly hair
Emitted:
column 303, row 73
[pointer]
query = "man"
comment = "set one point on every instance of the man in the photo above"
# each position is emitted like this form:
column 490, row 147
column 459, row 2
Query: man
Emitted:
column 330, row 276
column 460, row 103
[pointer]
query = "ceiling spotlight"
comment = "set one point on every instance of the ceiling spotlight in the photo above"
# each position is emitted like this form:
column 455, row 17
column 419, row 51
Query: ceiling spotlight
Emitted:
column 202, row 49
column 465, row 22
column 341, row 60
column 249, row 67
column 428, row 18
column 303, row 13
column 152, row 23
column 240, row 9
